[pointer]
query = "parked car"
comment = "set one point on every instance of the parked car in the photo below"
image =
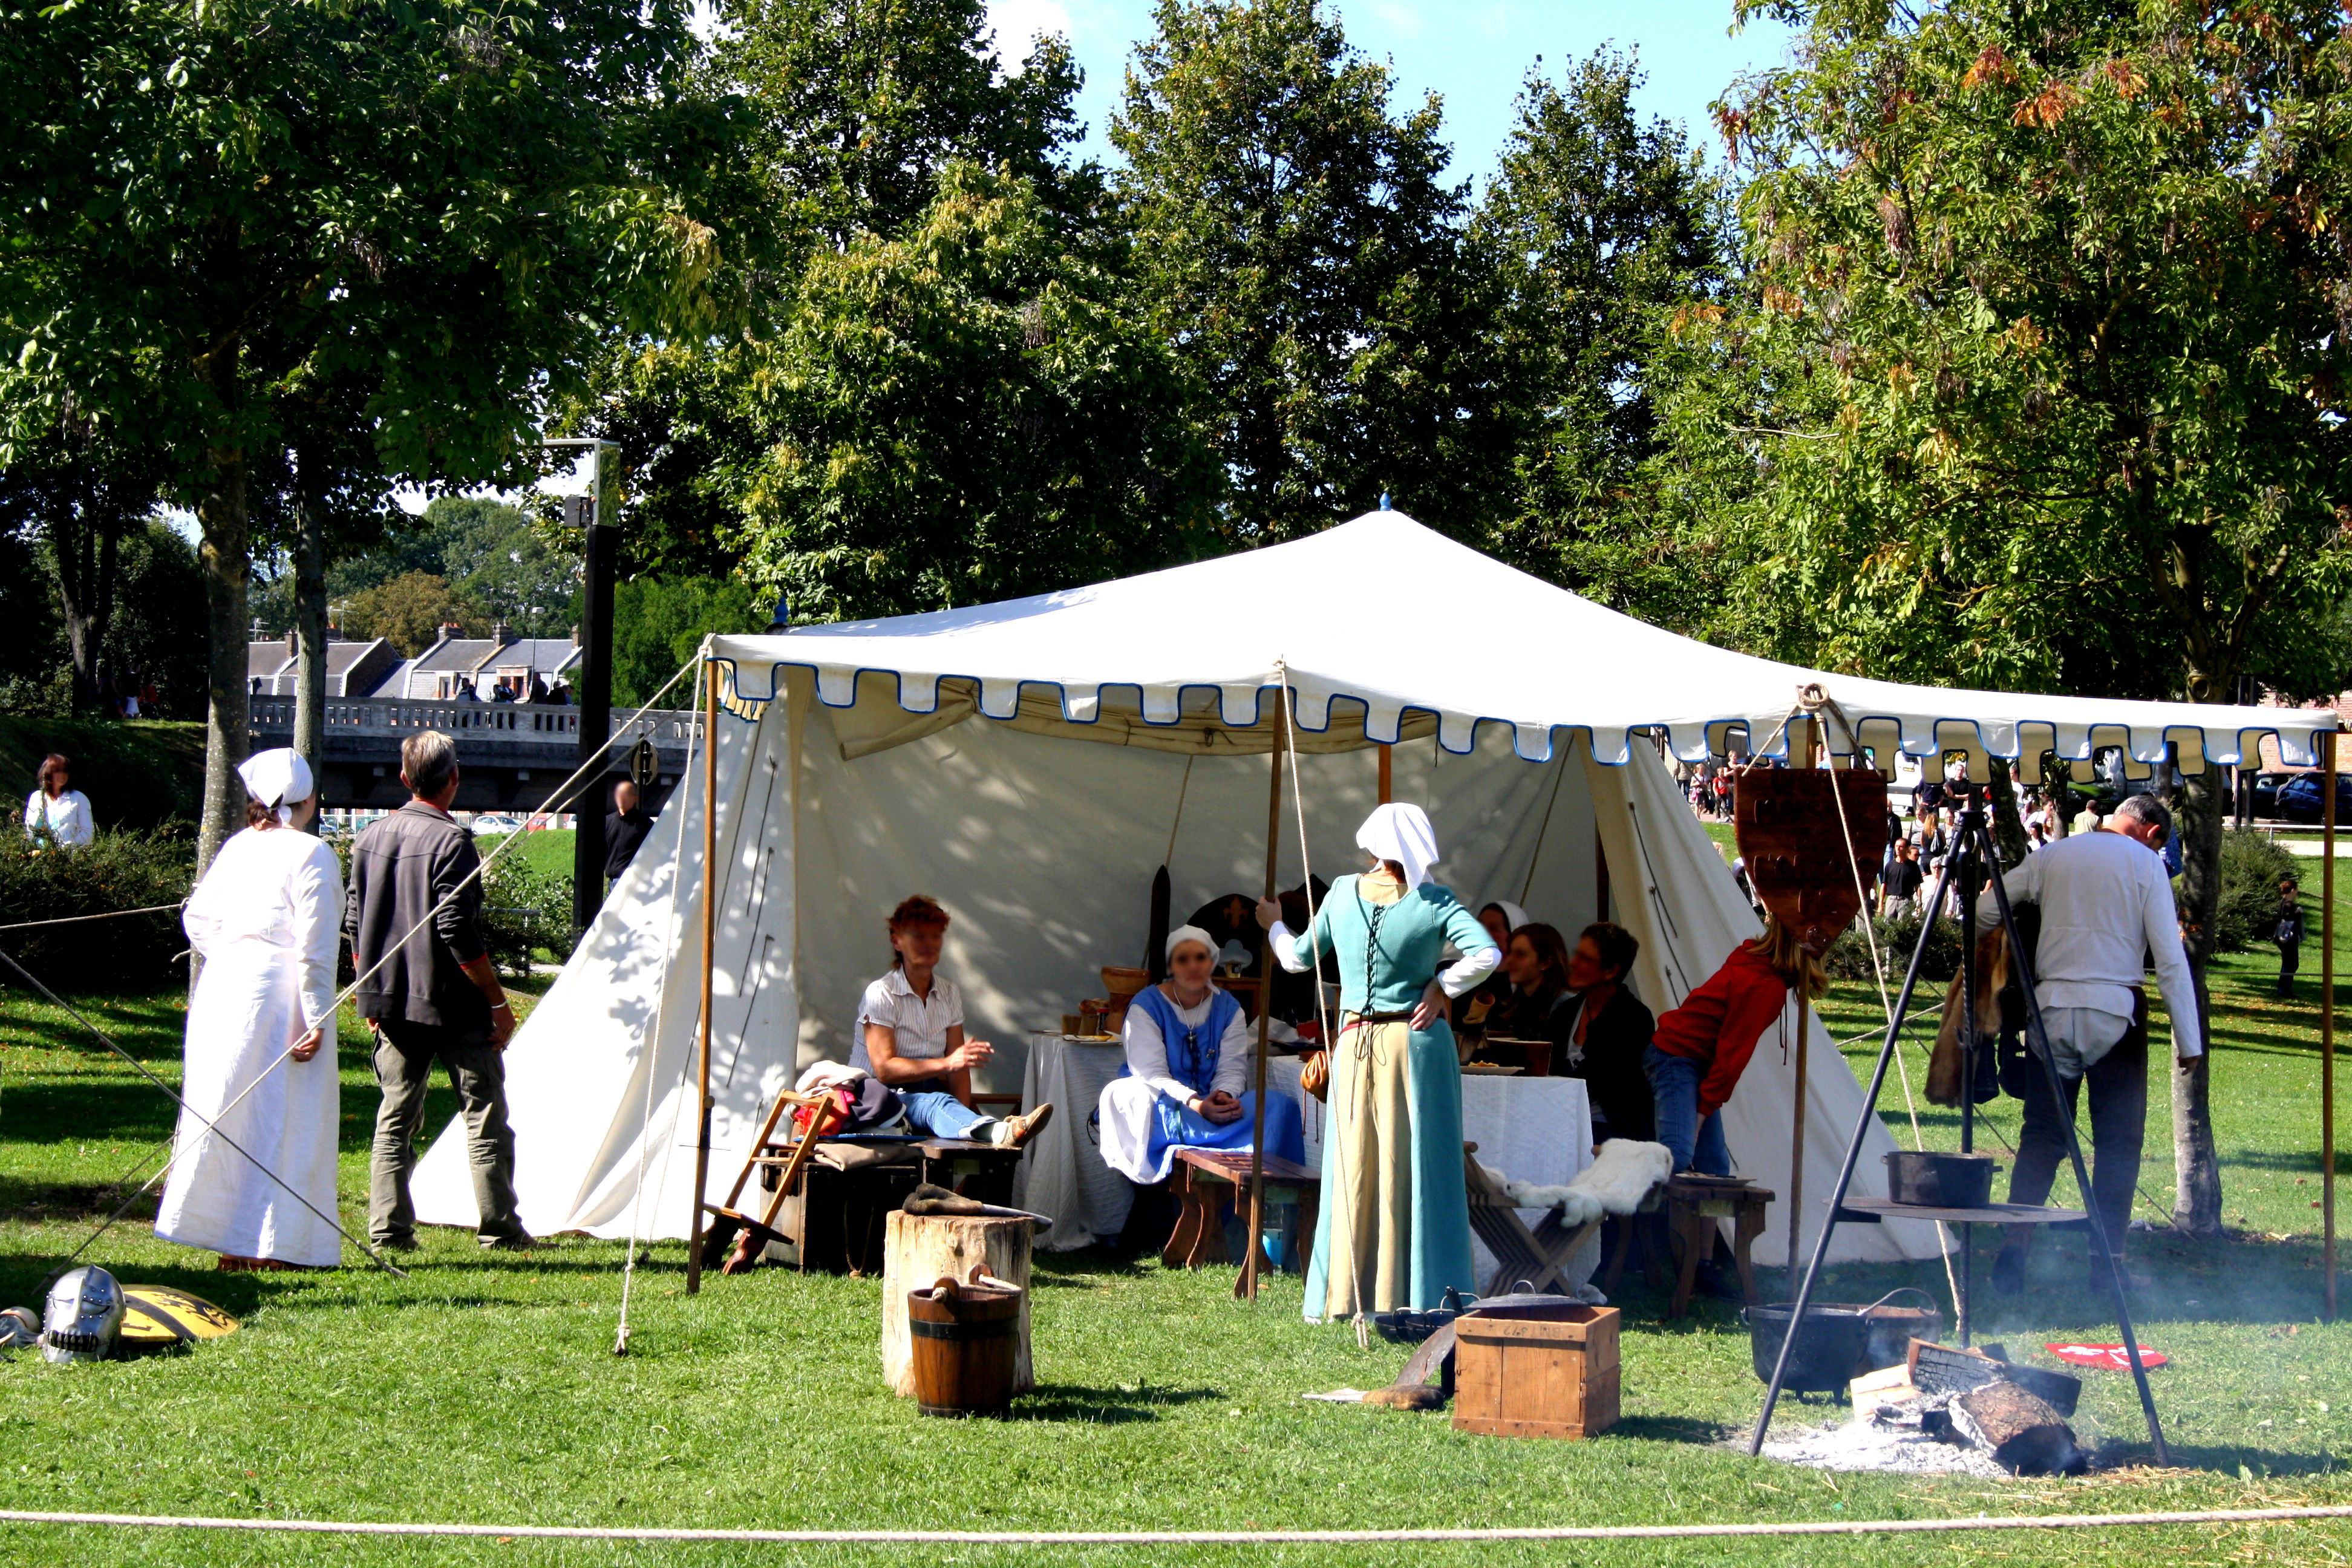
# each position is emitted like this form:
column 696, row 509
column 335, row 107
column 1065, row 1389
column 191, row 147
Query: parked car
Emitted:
column 2298, row 799
column 490, row 824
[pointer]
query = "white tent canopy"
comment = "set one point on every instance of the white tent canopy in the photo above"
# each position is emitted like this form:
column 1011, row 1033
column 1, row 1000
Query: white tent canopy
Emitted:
column 1024, row 763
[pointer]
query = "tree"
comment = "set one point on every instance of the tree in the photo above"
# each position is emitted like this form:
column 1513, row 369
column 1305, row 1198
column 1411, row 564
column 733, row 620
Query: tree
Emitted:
column 849, row 111
column 235, row 194
column 81, row 490
column 410, row 611
column 964, row 414
column 1302, row 251
column 657, row 626
column 1600, row 225
column 855, row 106
column 2068, row 286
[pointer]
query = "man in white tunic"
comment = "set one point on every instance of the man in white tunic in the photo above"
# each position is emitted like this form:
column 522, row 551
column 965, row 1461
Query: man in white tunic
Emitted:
column 2106, row 905
column 261, row 1040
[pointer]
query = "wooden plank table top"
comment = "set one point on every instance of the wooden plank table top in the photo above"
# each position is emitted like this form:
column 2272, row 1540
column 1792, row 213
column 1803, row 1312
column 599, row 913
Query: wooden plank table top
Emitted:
column 1870, row 1211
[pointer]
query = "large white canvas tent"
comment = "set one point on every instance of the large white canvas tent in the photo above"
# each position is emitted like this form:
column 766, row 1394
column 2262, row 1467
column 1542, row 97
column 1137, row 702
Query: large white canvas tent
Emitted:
column 1024, row 763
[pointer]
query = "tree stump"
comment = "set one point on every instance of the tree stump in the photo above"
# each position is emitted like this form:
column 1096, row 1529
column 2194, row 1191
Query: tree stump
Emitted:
column 917, row 1249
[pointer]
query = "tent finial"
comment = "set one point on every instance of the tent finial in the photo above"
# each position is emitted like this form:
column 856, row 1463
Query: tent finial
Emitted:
column 1384, row 500
column 782, row 619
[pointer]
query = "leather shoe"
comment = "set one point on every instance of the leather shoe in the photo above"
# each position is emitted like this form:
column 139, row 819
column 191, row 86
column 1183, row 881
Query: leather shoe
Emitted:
column 1018, row 1129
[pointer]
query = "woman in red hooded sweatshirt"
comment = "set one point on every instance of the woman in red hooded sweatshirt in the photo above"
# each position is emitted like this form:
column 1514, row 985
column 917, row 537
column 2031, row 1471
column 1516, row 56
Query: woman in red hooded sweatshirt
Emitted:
column 1699, row 1049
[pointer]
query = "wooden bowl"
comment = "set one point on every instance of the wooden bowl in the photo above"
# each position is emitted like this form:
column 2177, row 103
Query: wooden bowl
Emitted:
column 1123, row 983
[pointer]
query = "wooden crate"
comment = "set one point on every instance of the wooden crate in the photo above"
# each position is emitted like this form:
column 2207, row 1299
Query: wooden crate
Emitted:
column 1537, row 1371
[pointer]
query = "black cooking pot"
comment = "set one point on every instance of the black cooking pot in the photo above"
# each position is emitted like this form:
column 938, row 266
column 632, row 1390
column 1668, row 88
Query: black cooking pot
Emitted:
column 1939, row 1181
column 1828, row 1349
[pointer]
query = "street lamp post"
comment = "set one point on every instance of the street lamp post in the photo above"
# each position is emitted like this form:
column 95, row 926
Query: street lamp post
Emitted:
column 594, row 688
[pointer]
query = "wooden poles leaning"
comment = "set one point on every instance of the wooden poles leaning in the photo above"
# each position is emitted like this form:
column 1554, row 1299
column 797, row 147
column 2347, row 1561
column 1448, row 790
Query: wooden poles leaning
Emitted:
column 1246, row 1287
column 2327, row 1023
column 1800, row 755
column 709, row 930
column 1388, row 772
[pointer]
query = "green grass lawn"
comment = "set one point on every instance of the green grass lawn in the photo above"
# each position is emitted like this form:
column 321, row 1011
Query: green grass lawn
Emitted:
column 483, row 1387
column 547, row 849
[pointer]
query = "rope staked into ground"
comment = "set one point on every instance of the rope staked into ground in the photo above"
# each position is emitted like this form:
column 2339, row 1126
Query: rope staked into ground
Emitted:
column 1184, row 1537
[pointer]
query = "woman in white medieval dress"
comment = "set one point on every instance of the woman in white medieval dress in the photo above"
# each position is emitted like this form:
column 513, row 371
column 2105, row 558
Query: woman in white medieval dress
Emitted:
column 261, row 1038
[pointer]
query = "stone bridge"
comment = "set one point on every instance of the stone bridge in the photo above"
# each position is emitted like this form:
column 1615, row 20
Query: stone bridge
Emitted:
column 511, row 755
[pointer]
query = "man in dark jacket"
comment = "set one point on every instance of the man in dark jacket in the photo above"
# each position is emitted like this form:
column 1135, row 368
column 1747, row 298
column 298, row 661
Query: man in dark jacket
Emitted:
column 436, row 998
column 2288, row 935
column 626, row 827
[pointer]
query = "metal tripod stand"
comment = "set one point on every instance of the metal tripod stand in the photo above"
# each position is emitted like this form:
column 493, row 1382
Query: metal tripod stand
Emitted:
column 1972, row 855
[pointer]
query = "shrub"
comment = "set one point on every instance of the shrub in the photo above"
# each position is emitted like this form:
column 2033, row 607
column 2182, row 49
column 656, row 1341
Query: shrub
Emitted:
column 2252, row 866
column 523, row 908
column 120, row 869
column 1849, row 959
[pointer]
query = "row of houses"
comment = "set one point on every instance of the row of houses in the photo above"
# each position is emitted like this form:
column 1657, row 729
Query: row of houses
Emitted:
column 526, row 669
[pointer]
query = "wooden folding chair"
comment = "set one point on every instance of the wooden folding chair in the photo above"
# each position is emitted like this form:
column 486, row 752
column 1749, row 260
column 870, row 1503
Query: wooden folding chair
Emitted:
column 730, row 1227
column 1538, row 1258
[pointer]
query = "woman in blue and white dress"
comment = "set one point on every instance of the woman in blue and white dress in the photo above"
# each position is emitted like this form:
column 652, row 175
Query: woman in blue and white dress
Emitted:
column 1188, row 1057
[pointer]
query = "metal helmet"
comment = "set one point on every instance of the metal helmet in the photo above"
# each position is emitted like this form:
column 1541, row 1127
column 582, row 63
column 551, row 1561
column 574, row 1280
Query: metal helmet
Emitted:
column 84, row 1317
column 19, row 1329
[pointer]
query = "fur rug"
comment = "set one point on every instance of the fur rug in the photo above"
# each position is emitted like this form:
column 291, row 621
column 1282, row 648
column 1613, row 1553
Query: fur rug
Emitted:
column 1619, row 1178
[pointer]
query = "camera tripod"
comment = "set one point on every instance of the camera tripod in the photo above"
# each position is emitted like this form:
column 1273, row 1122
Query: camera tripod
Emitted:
column 1973, row 858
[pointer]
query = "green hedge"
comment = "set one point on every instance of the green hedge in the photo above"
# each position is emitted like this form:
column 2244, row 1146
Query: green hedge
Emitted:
column 525, row 910
column 2252, row 866
column 117, row 870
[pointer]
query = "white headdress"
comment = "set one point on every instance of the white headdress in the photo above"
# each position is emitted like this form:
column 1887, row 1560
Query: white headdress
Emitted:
column 1191, row 933
column 276, row 778
column 1403, row 833
column 1517, row 916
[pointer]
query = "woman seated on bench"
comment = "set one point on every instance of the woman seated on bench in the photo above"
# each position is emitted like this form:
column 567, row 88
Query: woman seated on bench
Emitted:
column 1188, row 1055
column 910, row 1035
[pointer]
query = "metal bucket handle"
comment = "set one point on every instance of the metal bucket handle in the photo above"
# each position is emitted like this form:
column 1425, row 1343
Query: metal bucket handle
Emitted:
column 1934, row 1305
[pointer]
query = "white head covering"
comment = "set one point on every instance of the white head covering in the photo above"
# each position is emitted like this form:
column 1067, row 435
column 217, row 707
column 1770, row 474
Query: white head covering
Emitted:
column 1517, row 916
column 278, row 777
column 1403, row 833
column 1191, row 933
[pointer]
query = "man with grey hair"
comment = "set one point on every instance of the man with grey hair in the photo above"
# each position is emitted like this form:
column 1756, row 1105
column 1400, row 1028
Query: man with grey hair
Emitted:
column 415, row 905
column 2106, row 906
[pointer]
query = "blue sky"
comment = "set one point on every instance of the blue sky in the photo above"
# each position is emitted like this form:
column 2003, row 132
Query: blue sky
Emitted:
column 1473, row 53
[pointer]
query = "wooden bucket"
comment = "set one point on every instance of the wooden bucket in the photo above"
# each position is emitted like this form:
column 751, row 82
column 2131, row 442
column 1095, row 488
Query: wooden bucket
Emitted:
column 965, row 1340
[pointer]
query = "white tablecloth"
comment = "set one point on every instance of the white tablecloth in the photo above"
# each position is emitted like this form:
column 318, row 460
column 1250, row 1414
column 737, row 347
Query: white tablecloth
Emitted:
column 1536, row 1129
column 1064, row 1175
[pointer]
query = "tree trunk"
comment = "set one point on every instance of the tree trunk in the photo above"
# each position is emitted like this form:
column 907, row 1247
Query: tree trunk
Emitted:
column 309, row 618
column 2197, row 817
column 225, row 560
column 86, row 545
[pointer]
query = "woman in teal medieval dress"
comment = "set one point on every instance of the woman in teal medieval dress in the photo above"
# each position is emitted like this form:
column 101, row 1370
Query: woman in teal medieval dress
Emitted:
column 1395, row 1226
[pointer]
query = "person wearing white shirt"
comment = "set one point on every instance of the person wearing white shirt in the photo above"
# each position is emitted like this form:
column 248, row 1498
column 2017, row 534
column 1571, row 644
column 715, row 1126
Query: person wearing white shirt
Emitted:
column 1188, row 1061
column 2107, row 904
column 62, row 811
column 910, row 1036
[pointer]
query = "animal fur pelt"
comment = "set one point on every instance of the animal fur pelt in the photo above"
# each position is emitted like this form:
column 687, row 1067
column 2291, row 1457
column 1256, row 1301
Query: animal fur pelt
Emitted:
column 1946, row 1066
column 1620, row 1177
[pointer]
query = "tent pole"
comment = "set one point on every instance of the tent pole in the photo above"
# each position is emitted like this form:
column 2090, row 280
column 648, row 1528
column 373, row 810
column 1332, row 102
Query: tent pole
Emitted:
column 1387, row 775
column 2327, row 1023
column 709, row 924
column 1801, row 738
column 1246, row 1288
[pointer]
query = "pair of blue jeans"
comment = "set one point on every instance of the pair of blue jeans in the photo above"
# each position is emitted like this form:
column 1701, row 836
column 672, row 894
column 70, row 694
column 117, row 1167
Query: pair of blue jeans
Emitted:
column 939, row 1114
column 1696, row 1142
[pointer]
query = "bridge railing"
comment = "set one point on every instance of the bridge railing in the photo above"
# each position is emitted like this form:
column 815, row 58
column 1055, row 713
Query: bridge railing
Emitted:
column 403, row 716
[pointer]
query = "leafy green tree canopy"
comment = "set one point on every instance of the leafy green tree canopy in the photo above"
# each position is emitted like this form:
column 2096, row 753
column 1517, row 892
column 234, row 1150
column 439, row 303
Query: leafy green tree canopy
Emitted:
column 1302, row 250
column 962, row 415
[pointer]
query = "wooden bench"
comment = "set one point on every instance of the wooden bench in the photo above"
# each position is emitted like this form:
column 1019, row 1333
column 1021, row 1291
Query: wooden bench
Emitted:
column 1694, row 1206
column 1207, row 1180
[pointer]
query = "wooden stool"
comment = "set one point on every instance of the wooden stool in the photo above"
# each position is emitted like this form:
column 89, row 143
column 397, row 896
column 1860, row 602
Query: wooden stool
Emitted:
column 1534, row 1260
column 1694, row 1206
column 918, row 1249
column 981, row 1171
column 1206, row 1180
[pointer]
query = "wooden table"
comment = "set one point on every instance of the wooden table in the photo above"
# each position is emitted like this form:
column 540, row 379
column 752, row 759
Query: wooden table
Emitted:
column 1695, row 1207
column 1206, row 1180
